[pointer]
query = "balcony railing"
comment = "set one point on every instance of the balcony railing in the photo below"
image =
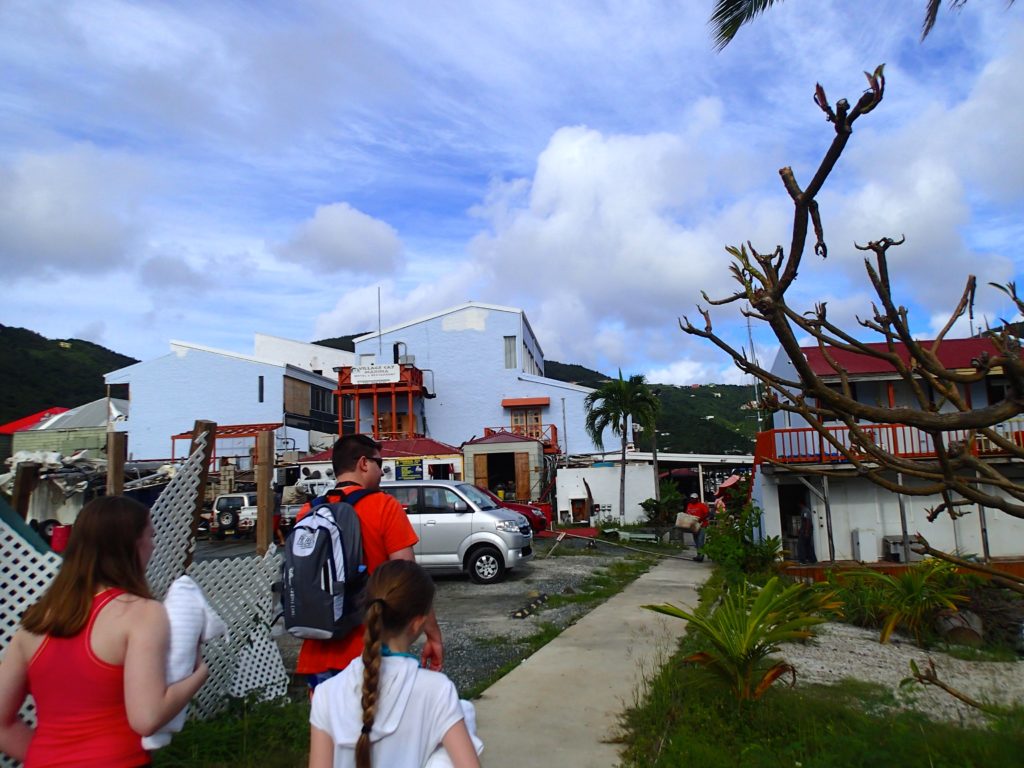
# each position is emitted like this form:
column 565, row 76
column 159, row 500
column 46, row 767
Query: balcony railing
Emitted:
column 547, row 434
column 806, row 446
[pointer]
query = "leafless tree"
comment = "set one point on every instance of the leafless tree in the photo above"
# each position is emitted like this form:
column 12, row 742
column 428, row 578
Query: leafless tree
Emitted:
column 957, row 471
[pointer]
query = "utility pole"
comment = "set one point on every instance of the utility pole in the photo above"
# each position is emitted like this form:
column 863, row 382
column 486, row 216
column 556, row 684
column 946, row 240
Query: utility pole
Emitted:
column 654, row 451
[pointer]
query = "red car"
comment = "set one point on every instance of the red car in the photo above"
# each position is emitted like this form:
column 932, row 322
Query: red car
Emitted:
column 535, row 517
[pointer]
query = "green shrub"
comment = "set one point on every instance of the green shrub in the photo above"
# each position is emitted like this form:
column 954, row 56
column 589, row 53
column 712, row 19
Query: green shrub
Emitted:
column 732, row 540
column 664, row 511
column 914, row 596
column 748, row 626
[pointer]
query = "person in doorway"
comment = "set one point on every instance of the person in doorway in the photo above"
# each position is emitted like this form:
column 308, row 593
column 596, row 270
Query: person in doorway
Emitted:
column 700, row 510
column 92, row 651
column 805, row 538
column 387, row 535
column 384, row 709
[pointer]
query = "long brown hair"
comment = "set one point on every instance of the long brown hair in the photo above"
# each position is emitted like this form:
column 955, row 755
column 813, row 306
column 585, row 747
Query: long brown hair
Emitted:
column 102, row 552
column 398, row 592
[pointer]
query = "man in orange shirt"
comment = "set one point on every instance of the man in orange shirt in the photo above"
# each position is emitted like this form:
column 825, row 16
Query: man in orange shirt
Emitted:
column 387, row 535
column 700, row 510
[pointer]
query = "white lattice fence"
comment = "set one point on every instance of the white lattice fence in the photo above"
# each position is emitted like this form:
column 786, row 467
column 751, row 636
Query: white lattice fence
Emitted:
column 247, row 662
column 24, row 575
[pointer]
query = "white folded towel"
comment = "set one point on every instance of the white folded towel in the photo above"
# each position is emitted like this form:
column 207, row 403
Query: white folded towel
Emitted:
column 192, row 619
column 440, row 758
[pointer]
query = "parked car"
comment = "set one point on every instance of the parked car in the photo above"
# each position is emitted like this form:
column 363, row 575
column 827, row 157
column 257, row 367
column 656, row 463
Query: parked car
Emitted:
column 235, row 514
column 538, row 522
column 462, row 529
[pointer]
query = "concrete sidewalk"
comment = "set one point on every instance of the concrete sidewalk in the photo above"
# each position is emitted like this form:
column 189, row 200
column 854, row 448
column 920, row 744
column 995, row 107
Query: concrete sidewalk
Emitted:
column 561, row 706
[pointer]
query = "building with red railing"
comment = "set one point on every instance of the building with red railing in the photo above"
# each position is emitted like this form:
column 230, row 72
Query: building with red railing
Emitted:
column 854, row 518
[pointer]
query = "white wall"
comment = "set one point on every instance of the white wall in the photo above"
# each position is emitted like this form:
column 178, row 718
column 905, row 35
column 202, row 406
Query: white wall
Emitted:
column 169, row 393
column 859, row 504
column 604, row 485
column 309, row 357
column 465, row 350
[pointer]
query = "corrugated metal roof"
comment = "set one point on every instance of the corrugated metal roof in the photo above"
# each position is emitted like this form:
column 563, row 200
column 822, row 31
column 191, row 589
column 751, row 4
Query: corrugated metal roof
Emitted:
column 92, row 414
column 952, row 353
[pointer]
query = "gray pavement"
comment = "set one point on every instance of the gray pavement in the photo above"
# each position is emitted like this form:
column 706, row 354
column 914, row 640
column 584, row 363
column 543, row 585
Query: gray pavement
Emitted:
column 561, row 706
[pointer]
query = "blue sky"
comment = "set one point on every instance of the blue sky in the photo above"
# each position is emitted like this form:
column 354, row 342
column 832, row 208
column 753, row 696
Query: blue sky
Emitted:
column 204, row 171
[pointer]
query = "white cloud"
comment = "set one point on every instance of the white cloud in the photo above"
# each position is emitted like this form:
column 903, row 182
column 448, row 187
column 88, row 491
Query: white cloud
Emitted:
column 340, row 238
column 76, row 210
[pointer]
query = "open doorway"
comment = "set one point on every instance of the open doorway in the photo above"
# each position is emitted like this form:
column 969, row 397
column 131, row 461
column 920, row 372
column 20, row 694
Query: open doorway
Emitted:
column 791, row 497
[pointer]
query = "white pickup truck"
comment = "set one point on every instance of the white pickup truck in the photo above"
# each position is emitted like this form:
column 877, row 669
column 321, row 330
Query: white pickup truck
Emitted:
column 235, row 514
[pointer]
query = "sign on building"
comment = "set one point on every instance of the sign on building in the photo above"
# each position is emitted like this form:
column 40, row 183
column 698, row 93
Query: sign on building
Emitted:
column 376, row 374
column 408, row 469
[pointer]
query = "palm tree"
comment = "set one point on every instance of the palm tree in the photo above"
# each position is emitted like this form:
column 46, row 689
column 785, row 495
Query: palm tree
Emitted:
column 612, row 406
column 730, row 15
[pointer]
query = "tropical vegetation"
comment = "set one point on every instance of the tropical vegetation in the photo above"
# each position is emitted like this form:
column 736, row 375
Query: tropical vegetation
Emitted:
column 749, row 625
column 729, row 15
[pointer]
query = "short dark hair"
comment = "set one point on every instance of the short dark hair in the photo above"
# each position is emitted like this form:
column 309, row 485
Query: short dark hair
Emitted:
column 348, row 450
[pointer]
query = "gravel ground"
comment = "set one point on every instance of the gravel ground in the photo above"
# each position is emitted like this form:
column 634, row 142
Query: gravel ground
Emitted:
column 843, row 651
column 480, row 633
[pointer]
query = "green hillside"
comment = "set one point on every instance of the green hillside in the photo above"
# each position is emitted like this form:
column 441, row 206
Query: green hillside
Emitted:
column 685, row 412
column 38, row 373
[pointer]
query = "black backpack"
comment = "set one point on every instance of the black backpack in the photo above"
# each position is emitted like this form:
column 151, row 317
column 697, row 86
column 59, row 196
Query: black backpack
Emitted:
column 323, row 576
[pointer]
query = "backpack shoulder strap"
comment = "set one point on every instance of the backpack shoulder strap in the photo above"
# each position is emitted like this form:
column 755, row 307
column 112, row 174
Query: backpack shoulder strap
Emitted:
column 354, row 497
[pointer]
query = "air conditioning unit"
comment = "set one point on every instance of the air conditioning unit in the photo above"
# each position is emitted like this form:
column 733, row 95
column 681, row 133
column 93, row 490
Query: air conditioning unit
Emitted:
column 407, row 359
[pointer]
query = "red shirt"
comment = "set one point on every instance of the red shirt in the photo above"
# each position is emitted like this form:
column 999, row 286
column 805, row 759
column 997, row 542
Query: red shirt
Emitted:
column 699, row 509
column 385, row 529
column 80, row 704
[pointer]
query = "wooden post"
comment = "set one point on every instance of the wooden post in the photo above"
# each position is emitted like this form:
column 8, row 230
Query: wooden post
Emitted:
column 264, row 492
column 905, row 534
column 117, row 452
column 25, row 478
column 209, row 428
column 828, row 520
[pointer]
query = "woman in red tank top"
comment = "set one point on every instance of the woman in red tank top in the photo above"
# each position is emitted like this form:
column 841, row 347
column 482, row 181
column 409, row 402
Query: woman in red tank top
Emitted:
column 92, row 651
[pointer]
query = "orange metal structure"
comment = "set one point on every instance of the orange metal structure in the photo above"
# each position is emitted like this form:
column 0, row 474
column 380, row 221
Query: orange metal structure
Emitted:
column 388, row 421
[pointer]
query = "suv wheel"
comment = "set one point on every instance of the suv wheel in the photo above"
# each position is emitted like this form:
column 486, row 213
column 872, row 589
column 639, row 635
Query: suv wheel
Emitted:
column 486, row 566
column 227, row 519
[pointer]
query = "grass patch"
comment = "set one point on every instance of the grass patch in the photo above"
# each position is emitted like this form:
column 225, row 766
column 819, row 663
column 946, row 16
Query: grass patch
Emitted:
column 684, row 717
column 263, row 734
column 685, row 722
column 984, row 653
column 603, row 583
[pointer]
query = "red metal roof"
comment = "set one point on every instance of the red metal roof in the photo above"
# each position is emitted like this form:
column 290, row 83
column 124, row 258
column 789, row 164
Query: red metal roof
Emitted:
column 953, row 353
column 235, row 430
column 28, row 421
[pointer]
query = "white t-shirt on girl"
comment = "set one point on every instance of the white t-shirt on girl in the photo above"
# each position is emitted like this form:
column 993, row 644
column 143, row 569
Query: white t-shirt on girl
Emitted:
column 415, row 709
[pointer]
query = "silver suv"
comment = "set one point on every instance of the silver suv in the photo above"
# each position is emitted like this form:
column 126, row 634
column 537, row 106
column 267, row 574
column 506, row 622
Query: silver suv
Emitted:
column 462, row 529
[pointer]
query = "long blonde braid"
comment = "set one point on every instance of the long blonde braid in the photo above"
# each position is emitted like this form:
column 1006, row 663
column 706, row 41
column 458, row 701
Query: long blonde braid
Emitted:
column 398, row 592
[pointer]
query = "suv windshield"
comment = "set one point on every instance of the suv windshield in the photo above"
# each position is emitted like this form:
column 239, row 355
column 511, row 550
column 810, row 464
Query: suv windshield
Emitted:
column 482, row 500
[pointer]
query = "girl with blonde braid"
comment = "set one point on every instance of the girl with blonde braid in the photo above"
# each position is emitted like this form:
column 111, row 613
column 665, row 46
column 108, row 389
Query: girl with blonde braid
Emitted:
column 384, row 709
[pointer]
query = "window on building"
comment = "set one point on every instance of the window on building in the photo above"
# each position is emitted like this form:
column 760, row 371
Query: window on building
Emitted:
column 322, row 400
column 510, row 351
column 260, row 389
